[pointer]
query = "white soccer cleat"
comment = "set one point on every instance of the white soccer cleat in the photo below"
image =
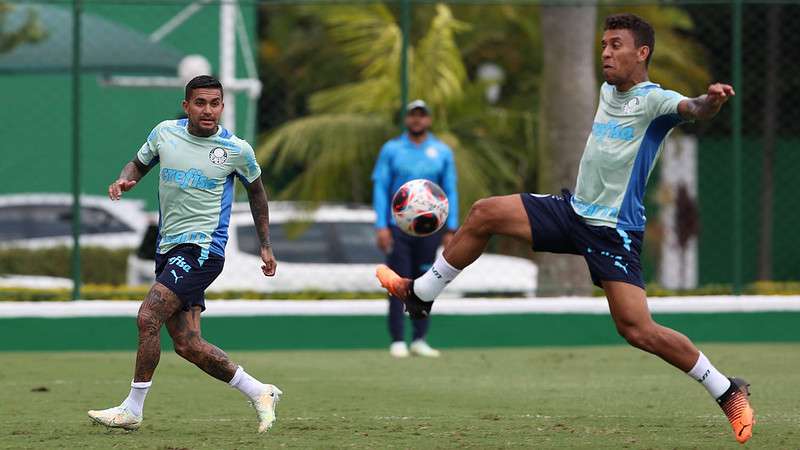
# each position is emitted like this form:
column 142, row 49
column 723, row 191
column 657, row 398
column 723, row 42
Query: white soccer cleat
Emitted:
column 421, row 348
column 398, row 349
column 117, row 417
column 265, row 407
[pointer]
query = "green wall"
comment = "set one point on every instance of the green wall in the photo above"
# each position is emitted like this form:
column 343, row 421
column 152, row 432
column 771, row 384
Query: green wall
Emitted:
column 337, row 332
column 115, row 121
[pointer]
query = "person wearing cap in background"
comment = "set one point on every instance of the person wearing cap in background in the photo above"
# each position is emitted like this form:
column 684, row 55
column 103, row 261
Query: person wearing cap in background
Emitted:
column 417, row 153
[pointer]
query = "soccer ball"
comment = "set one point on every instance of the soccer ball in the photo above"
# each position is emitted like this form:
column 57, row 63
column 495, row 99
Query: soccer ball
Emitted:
column 420, row 207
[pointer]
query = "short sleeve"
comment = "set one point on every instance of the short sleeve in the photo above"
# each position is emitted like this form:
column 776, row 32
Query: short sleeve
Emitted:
column 247, row 168
column 660, row 102
column 148, row 153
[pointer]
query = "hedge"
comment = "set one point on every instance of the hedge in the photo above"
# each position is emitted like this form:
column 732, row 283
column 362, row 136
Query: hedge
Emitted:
column 124, row 292
column 98, row 265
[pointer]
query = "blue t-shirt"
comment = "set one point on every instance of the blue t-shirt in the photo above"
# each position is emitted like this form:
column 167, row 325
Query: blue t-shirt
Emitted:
column 400, row 161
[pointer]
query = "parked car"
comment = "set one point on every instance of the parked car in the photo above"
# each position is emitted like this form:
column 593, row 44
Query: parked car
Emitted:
column 330, row 248
column 45, row 220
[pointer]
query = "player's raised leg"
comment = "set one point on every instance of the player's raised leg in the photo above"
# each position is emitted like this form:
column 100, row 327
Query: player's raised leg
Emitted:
column 157, row 307
column 490, row 216
column 184, row 328
column 628, row 305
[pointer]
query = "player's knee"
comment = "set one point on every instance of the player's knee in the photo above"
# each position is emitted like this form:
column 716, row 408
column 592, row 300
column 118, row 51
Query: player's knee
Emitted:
column 186, row 348
column 147, row 323
column 639, row 336
column 481, row 216
column 183, row 348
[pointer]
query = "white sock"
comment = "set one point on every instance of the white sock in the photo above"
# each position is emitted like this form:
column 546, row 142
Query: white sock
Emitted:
column 430, row 284
column 135, row 400
column 246, row 384
column 715, row 383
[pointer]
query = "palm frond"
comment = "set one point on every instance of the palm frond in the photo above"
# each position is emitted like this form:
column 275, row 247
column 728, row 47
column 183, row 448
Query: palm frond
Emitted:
column 377, row 95
column 369, row 35
column 437, row 70
column 337, row 153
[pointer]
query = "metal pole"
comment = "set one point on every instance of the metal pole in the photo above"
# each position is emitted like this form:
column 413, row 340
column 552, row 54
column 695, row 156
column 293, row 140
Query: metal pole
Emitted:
column 737, row 146
column 405, row 25
column 76, row 149
column 227, row 59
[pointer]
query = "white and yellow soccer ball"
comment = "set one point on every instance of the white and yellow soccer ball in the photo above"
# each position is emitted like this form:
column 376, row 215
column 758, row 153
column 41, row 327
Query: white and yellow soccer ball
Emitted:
column 420, row 207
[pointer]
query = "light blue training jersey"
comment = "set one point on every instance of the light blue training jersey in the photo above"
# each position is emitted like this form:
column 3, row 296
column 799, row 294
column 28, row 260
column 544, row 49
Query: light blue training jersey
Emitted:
column 627, row 137
column 195, row 183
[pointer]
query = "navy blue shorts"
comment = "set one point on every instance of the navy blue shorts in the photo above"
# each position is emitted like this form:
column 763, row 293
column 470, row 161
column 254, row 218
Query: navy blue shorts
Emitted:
column 187, row 270
column 612, row 254
column 412, row 256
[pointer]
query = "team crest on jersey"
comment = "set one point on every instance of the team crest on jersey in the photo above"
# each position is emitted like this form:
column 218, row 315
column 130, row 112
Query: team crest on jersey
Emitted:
column 631, row 106
column 218, row 155
column 431, row 152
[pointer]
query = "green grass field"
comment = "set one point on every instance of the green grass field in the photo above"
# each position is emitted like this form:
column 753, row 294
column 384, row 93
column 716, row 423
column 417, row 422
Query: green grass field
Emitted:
column 567, row 397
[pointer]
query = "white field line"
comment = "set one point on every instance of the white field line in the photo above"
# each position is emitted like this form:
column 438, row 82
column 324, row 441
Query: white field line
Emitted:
column 478, row 306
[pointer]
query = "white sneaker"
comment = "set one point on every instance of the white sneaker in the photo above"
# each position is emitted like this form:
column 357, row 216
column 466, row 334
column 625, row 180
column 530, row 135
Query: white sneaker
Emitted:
column 117, row 417
column 398, row 349
column 265, row 407
column 421, row 348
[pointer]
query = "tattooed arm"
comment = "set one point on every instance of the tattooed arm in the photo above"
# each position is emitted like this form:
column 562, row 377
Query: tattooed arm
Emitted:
column 131, row 173
column 260, row 211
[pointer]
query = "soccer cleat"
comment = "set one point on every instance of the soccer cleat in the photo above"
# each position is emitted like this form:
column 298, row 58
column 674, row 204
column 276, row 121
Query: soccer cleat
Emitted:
column 265, row 407
column 421, row 348
column 117, row 417
column 398, row 349
column 403, row 289
column 736, row 406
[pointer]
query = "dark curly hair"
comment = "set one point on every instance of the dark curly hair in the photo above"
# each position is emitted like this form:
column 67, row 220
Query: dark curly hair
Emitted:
column 643, row 33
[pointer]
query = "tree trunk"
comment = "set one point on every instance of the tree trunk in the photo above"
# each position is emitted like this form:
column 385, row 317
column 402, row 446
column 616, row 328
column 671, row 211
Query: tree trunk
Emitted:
column 569, row 95
column 770, row 130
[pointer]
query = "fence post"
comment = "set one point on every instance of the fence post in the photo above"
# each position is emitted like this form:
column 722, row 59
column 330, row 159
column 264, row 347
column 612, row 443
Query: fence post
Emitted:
column 737, row 147
column 405, row 25
column 76, row 149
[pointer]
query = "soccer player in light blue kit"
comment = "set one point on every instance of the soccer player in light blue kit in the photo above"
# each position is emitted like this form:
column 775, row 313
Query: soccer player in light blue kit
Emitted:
column 198, row 162
column 415, row 154
column 604, row 220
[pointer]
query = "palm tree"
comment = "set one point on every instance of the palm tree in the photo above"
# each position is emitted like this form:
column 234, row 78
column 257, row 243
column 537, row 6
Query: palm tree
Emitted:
column 337, row 145
column 30, row 31
column 566, row 111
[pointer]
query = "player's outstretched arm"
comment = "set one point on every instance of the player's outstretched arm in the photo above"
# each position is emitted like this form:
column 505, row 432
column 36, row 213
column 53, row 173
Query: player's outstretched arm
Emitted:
column 130, row 175
column 260, row 210
column 706, row 106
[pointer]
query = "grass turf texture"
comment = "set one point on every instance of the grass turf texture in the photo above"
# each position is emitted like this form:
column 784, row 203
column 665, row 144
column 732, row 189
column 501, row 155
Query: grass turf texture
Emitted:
column 568, row 397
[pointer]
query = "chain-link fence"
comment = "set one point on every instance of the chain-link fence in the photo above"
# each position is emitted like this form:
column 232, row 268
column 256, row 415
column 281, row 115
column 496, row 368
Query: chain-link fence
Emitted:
column 317, row 88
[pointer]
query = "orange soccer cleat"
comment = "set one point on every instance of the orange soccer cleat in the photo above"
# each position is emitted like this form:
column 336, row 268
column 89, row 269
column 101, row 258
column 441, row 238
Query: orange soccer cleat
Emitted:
column 736, row 406
column 396, row 285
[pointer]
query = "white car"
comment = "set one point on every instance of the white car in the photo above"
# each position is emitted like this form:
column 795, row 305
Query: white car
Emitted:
column 330, row 248
column 45, row 221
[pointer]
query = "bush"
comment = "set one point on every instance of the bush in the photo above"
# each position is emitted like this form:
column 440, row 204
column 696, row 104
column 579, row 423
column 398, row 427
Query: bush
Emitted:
column 108, row 292
column 98, row 265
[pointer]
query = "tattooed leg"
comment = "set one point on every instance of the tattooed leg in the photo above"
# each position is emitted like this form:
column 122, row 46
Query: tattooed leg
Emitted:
column 184, row 328
column 159, row 305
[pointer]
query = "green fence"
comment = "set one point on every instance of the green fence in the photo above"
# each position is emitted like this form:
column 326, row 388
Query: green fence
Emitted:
column 316, row 78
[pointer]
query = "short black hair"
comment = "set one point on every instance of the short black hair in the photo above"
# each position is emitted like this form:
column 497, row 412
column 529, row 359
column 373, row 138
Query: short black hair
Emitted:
column 643, row 33
column 202, row 81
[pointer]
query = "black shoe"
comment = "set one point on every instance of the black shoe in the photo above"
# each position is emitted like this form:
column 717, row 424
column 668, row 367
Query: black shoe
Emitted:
column 416, row 308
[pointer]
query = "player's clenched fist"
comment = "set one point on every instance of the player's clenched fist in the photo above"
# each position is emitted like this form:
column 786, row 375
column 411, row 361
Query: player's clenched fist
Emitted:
column 270, row 264
column 116, row 188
